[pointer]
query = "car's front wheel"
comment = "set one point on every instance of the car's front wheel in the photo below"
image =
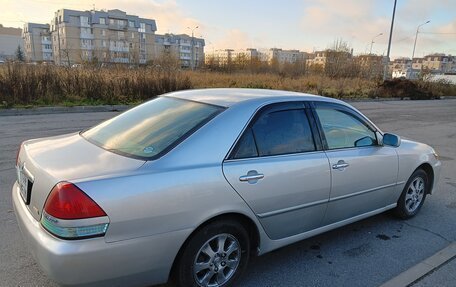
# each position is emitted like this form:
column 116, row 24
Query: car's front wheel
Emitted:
column 413, row 195
column 215, row 256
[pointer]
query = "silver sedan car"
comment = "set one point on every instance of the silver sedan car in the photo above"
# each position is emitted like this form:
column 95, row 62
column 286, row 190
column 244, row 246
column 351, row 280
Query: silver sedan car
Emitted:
column 191, row 184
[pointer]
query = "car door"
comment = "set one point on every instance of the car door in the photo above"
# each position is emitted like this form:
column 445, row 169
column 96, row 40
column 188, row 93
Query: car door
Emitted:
column 279, row 169
column 363, row 172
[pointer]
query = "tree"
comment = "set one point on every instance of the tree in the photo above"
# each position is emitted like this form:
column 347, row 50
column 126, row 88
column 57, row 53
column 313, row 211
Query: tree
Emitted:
column 20, row 54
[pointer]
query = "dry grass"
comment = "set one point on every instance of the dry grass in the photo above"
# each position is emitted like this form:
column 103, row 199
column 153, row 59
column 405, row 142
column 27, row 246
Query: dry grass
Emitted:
column 313, row 84
column 51, row 85
column 23, row 85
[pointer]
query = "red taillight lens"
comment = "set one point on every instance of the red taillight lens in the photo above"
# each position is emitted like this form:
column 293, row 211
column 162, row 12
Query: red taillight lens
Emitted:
column 67, row 201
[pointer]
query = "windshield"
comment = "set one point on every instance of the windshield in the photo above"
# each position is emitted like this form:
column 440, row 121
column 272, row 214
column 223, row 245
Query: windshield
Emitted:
column 151, row 128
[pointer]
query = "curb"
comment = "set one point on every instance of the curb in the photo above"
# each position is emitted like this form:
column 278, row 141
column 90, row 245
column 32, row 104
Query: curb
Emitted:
column 60, row 110
column 423, row 268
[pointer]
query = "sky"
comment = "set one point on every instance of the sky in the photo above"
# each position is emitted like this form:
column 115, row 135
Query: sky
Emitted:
column 307, row 25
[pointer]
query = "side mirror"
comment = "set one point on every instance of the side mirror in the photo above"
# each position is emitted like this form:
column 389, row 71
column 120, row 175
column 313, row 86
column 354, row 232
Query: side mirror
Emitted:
column 391, row 140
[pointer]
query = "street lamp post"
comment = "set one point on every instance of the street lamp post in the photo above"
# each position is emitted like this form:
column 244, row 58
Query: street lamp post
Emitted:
column 193, row 47
column 372, row 42
column 416, row 37
column 385, row 68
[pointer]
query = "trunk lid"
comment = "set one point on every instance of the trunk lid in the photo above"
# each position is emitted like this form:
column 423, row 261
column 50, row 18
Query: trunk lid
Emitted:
column 47, row 161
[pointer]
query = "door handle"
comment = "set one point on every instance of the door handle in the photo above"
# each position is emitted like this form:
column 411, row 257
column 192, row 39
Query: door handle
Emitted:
column 252, row 176
column 340, row 165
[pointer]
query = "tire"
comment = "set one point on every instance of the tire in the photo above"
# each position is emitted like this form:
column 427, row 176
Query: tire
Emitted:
column 224, row 265
column 413, row 195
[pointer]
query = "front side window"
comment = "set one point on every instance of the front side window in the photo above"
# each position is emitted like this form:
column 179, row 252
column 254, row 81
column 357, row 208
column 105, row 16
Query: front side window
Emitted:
column 276, row 133
column 343, row 130
column 151, row 128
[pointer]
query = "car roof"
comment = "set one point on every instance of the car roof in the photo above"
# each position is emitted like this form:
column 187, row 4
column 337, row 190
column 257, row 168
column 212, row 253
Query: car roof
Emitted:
column 227, row 97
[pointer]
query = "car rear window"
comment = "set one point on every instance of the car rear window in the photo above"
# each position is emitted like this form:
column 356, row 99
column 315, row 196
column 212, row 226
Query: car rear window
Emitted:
column 153, row 128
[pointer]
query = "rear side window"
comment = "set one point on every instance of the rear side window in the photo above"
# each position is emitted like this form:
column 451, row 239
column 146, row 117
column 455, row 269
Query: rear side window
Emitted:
column 151, row 128
column 276, row 133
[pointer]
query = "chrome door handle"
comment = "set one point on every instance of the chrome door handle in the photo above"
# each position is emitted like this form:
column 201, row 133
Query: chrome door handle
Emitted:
column 340, row 165
column 251, row 176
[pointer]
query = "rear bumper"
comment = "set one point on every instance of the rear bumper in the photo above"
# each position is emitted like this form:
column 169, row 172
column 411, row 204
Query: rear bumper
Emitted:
column 145, row 260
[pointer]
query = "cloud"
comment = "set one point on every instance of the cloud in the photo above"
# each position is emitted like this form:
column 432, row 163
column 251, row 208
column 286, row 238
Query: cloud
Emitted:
column 233, row 39
column 359, row 21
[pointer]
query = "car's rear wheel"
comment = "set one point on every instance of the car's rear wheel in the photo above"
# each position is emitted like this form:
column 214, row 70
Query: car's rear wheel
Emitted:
column 413, row 195
column 215, row 256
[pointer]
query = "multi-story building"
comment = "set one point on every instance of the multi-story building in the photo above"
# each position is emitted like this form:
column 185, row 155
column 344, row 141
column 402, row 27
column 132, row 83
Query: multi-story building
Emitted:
column 417, row 64
column 284, row 56
column 220, row 57
column 189, row 51
column 102, row 36
column 317, row 58
column 37, row 42
column 10, row 39
column 439, row 63
column 323, row 58
column 243, row 56
column 370, row 64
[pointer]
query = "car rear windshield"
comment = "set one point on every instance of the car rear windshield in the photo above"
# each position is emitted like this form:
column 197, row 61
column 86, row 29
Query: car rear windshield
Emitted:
column 151, row 129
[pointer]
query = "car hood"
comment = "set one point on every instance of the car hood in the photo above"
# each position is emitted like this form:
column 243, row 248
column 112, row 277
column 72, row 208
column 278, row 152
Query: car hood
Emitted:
column 67, row 158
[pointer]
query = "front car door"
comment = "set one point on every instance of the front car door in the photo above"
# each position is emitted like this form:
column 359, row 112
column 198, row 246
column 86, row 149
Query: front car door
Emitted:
column 363, row 172
column 277, row 166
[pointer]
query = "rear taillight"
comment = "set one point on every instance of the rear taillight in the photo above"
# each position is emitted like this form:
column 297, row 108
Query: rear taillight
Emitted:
column 66, row 201
column 72, row 214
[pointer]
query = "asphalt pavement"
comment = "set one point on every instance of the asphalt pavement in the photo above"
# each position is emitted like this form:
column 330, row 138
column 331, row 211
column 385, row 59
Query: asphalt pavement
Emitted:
column 366, row 253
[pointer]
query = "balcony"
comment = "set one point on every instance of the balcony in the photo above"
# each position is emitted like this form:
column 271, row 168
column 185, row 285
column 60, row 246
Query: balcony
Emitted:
column 119, row 49
column 118, row 27
column 86, row 36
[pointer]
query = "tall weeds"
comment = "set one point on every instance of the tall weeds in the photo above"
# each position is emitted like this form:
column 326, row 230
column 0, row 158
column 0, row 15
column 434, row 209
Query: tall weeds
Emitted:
column 22, row 84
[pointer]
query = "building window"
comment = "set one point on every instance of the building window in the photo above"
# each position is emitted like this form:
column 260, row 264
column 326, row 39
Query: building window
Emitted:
column 120, row 34
column 142, row 27
column 132, row 35
column 103, row 21
column 111, row 21
column 103, row 32
column 131, row 24
column 103, row 43
column 84, row 21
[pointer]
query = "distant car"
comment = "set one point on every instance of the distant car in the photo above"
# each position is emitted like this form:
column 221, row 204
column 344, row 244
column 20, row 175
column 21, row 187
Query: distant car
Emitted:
column 193, row 183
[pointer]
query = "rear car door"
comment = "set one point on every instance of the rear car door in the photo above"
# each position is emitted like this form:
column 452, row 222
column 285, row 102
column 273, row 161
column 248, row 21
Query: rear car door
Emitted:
column 363, row 172
column 277, row 166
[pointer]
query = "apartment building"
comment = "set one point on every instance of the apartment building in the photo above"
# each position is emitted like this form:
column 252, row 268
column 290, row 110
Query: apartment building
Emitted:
column 220, row 57
column 10, row 39
column 243, row 56
column 37, row 42
column 370, row 64
column 284, row 56
column 325, row 57
column 187, row 50
column 439, row 63
column 110, row 36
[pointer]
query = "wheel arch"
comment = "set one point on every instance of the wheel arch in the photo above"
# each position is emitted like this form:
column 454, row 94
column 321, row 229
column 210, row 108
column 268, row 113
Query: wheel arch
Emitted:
column 427, row 168
column 247, row 222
